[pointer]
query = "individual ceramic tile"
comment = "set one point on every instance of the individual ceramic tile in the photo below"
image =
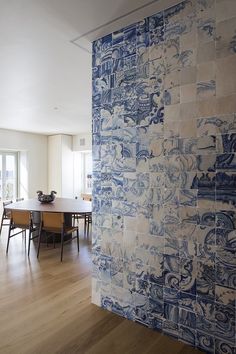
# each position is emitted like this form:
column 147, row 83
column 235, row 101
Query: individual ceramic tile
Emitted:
column 171, row 296
column 188, row 180
column 206, row 30
column 172, row 112
column 225, row 9
column 171, row 129
column 157, row 164
column 207, row 126
column 172, row 147
column 188, row 215
column 187, row 335
column 206, row 71
column 205, row 341
column 187, row 318
column 205, row 52
column 226, row 199
column 206, row 163
column 188, row 197
column 225, row 34
column 187, row 301
column 225, row 275
column 226, row 219
column 171, row 312
column 172, row 96
column 171, row 54
column 225, row 180
column 206, row 278
column 157, row 196
column 206, row 89
column 188, row 58
column 205, row 325
column 226, row 143
column 171, row 197
column 188, row 110
column 206, row 144
column 188, row 146
column 206, row 217
column 188, row 272
column 188, row 75
column 206, row 198
column 204, row 8
column 226, row 104
column 189, row 40
column 188, row 93
column 207, row 107
column 141, row 309
column 221, row 346
column 226, row 162
column 225, row 81
column 206, row 243
column 188, row 163
column 226, row 296
column 225, row 322
column 171, row 246
column 187, row 249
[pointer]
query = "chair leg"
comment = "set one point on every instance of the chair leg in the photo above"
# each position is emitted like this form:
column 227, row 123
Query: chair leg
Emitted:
column 88, row 228
column 8, row 239
column 85, row 224
column 39, row 241
column 30, row 233
column 77, row 236
column 62, row 245
column 1, row 223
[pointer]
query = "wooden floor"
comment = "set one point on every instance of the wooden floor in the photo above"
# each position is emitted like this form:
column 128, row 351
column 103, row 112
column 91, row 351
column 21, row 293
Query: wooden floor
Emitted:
column 45, row 308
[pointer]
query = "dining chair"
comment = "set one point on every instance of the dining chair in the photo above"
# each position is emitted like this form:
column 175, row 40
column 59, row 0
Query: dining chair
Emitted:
column 87, row 216
column 6, row 215
column 21, row 219
column 76, row 217
column 54, row 223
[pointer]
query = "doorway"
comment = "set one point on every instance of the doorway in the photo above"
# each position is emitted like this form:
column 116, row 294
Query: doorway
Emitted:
column 8, row 175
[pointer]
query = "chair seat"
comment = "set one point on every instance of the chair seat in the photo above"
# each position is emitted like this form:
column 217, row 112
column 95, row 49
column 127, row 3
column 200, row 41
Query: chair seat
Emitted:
column 55, row 224
column 55, row 230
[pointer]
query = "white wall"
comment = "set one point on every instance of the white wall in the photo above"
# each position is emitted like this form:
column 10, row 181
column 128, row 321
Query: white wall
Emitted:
column 60, row 165
column 82, row 142
column 33, row 159
column 54, row 164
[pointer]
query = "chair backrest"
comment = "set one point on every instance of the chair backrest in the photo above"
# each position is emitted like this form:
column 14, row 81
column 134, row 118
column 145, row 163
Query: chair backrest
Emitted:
column 19, row 199
column 21, row 217
column 87, row 197
column 6, row 213
column 6, row 203
column 52, row 220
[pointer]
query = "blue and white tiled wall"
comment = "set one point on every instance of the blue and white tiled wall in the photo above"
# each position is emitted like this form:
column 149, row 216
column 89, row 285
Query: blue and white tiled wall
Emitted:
column 164, row 173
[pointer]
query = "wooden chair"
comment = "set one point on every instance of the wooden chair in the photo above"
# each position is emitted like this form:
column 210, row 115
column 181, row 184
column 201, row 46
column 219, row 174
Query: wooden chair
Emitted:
column 87, row 216
column 54, row 223
column 6, row 215
column 21, row 220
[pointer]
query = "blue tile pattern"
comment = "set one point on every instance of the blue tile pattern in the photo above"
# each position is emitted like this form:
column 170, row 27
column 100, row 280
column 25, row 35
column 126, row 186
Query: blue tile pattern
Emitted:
column 164, row 174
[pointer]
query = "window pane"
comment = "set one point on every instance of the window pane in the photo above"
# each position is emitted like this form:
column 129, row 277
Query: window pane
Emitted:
column 1, row 177
column 10, row 183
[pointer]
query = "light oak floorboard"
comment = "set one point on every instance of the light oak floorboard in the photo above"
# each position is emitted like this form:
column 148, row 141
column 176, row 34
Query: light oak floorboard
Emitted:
column 45, row 307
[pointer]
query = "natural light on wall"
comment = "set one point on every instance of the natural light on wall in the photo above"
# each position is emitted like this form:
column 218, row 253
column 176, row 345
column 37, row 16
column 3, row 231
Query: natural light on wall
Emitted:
column 82, row 172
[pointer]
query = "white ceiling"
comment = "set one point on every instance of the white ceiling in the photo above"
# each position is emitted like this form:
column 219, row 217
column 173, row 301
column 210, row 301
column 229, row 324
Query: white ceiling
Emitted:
column 45, row 79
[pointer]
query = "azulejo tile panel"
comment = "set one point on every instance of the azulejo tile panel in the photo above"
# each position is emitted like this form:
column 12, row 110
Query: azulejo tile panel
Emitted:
column 164, row 173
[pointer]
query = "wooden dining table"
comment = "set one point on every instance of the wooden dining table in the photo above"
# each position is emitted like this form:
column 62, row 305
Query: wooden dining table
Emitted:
column 59, row 205
column 68, row 206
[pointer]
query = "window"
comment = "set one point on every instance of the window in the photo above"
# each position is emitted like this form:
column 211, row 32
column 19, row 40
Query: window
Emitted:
column 82, row 172
column 8, row 175
column 87, row 172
